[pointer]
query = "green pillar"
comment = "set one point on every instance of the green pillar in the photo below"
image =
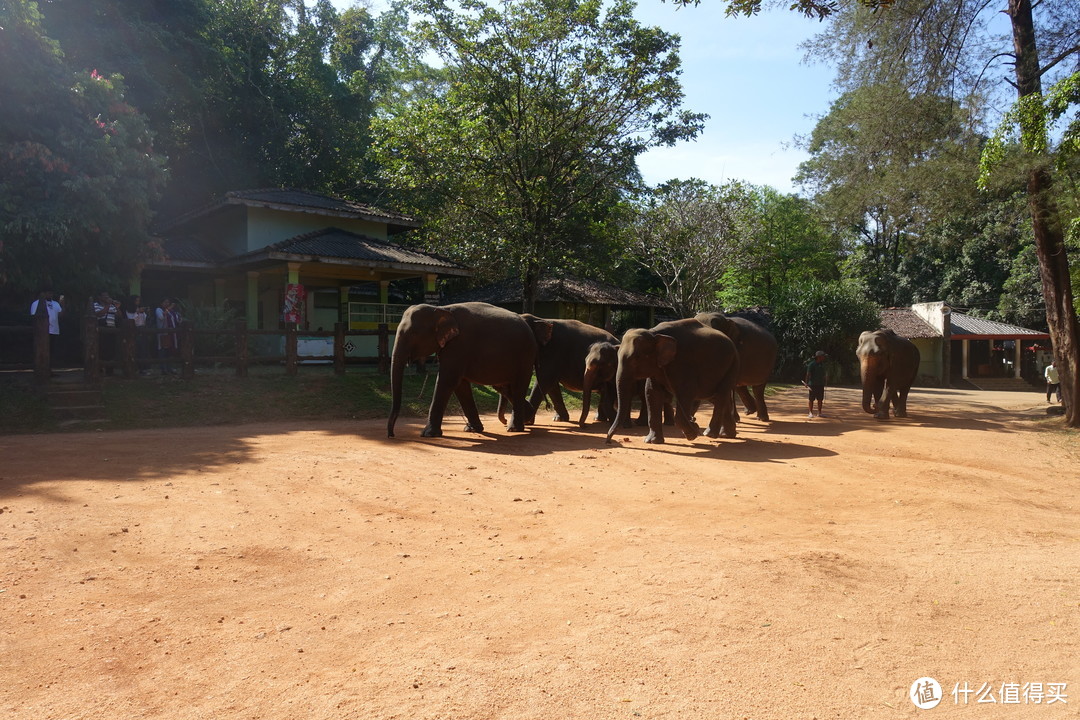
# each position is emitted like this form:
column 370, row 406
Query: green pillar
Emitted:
column 252, row 300
column 384, row 291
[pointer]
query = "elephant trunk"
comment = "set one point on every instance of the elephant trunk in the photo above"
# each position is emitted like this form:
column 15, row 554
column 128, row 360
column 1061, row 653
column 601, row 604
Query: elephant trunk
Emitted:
column 586, row 394
column 625, row 383
column 398, row 361
column 871, row 386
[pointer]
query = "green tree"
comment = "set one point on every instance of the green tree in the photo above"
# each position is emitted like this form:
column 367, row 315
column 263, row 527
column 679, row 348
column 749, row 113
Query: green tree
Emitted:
column 821, row 316
column 784, row 243
column 78, row 172
column 688, row 233
column 885, row 177
column 548, row 103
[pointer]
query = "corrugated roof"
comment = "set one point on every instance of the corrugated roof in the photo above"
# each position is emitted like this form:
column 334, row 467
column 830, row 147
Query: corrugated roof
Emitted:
column 345, row 245
column 968, row 325
column 562, row 289
column 906, row 323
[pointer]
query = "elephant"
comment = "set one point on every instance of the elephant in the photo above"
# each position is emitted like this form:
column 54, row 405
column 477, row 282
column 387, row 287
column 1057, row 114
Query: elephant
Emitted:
column 757, row 357
column 562, row 360
column 684, row 361
column 601, row 364
column 475, row 343
column 888, row 364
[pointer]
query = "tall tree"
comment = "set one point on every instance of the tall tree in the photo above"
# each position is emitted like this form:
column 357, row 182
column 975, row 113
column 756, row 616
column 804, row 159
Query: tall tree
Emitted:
column 548, row 104
column 886, row 176
column 78, row 173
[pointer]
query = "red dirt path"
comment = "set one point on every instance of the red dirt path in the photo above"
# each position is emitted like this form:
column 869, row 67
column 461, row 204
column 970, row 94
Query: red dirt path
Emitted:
column 807, row 569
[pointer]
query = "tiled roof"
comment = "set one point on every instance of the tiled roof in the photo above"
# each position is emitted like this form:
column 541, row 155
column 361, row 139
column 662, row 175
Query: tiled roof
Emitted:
column 906, row 323
column 968, row 325
column 301, row 201
column 309, row 200
column 342, row 244
column 188, row 250
column 562, row 289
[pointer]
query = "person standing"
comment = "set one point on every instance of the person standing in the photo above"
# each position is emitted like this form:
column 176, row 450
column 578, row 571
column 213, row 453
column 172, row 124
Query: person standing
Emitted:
column 817, row 377
column 54, row 308
column 168, row 318
column 1053, row 381
column 106, row 310
column 134, row 311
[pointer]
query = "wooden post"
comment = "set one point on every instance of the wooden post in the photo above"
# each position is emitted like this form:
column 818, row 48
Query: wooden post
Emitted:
column 91, row 349
column 127, row 345
column 339, row 348
column 241, row 348
column 290, row 350
column 42, row 358
column 187, row 350
column 384, row 348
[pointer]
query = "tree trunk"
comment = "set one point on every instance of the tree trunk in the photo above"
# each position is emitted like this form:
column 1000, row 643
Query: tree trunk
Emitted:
column 530, row 287
column 1046, row 223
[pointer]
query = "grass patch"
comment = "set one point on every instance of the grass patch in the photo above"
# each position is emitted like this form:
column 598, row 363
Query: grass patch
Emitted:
column 23, row 408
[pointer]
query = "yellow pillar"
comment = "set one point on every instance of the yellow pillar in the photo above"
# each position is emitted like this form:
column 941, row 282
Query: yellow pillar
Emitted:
column 294, row 273
column 384, row 291
column 343, row 304
column 252, row 310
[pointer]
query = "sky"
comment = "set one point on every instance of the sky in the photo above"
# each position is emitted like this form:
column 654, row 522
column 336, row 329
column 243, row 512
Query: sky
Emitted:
column 748, row 75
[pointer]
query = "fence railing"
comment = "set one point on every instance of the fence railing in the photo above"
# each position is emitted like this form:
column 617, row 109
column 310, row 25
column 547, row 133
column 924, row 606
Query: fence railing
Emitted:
column 131, row 350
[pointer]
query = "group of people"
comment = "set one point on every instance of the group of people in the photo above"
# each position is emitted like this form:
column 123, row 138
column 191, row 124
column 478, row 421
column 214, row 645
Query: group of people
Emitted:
column 108, row 311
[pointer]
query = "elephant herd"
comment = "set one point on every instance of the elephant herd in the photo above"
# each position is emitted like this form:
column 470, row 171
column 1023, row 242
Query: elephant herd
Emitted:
column 673, row 367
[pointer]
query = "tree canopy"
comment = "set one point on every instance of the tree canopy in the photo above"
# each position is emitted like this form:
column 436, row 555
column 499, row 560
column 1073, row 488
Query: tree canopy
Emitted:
column 547, row 105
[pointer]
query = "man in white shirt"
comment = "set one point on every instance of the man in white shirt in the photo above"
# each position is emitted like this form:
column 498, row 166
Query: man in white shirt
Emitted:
column 1053, row 381
column 54, row 308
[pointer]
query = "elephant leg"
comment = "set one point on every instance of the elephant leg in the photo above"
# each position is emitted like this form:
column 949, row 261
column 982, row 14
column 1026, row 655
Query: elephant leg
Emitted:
column 724, row 417
column 883, row 405
column 900, row 406
column 747, row 400
column 444, row 387
column 502, row 408
column 605, row 410
column 464, row 394
column 655, row 398
column 561, row 415
column 759, row 397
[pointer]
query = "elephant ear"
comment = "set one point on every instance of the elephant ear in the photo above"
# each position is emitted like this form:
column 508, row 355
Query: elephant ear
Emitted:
column 446, row 328
column 665, row 349
column 541, row 328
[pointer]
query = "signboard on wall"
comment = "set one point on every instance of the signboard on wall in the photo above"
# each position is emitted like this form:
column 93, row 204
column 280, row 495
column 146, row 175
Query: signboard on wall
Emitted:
column 432, row 298
column 295, row 295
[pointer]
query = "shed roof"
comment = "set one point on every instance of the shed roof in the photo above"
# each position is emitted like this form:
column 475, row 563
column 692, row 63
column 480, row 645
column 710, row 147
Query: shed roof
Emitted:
column 567, row 289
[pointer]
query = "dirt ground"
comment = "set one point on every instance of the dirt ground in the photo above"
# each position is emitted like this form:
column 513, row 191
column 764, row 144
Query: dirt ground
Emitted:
column 808, row 569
